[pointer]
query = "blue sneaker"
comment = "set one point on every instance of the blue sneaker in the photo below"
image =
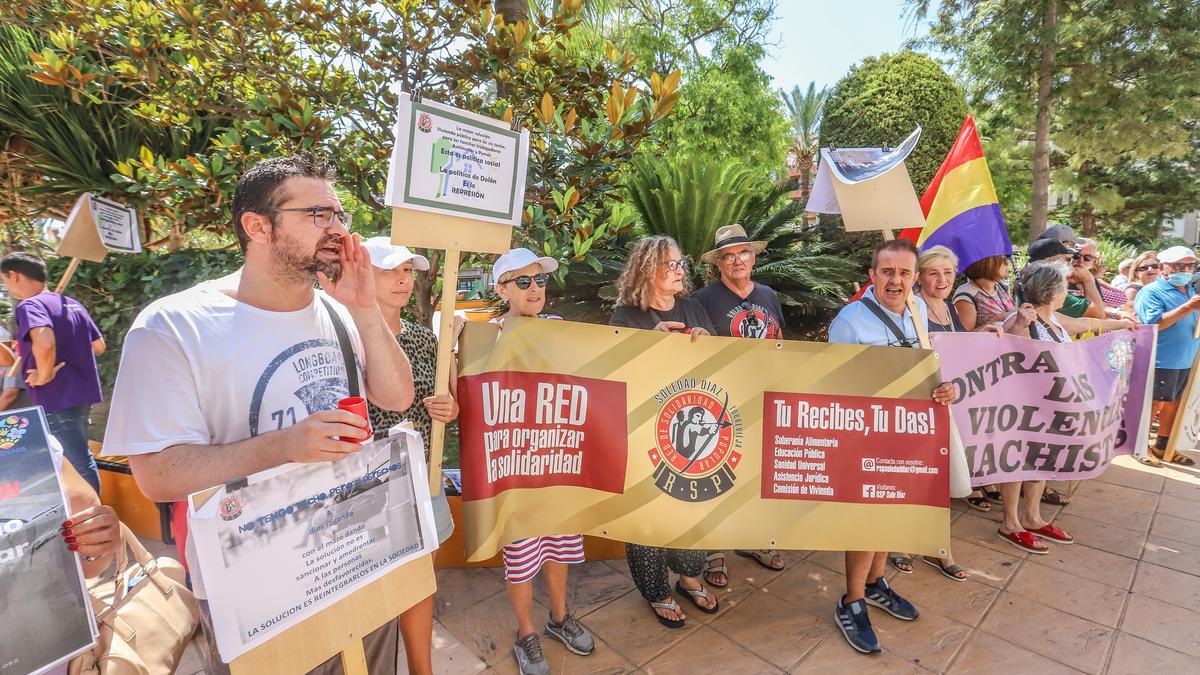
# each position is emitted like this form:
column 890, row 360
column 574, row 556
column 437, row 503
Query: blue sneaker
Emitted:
column 881, row 595
column 856, row 625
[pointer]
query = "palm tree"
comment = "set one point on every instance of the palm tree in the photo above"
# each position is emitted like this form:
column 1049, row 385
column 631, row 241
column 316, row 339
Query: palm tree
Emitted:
column 805, row 110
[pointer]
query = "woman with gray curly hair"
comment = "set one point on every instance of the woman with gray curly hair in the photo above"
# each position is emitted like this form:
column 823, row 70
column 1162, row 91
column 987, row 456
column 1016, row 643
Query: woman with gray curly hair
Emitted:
column 1043, row 288
column 650, row 295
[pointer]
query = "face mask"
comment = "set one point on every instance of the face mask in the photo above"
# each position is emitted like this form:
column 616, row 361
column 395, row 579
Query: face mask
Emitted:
column 1179, row 279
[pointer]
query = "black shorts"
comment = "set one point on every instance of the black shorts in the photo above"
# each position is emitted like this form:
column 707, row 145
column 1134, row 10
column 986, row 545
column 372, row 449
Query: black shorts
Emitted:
column 1169, row 383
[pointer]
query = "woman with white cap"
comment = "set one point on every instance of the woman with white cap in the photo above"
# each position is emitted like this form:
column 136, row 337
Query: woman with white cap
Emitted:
column 520, row 278
column 393, row 267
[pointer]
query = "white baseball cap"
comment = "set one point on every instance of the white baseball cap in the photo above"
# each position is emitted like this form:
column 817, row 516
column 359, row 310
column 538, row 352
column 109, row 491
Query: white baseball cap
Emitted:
column 1175, row 254
column 518, row 258
column 387, row 256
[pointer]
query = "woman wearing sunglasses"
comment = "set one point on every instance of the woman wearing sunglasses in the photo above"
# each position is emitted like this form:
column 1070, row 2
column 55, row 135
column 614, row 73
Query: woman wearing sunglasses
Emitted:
column 1144, row 270
column 520, row 278
column 650, row 295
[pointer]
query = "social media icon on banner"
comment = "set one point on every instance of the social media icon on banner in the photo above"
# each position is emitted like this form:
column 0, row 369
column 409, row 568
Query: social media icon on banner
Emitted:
column 868, row 463
column 869, row 491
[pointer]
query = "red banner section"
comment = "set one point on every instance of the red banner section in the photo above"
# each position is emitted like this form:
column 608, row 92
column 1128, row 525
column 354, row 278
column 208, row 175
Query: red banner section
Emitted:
column 855, row 449
column 532, row 430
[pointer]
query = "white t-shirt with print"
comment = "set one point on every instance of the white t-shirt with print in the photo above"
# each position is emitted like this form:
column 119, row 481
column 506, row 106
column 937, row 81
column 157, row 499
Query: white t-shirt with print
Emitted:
column 201, row 368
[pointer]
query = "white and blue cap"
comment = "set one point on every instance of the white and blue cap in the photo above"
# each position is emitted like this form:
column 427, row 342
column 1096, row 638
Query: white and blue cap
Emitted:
column 518, row 258
column 387, row 256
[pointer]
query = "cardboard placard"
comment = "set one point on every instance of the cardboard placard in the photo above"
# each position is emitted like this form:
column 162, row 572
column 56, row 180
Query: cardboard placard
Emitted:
column 96, row 226
column 869, row 187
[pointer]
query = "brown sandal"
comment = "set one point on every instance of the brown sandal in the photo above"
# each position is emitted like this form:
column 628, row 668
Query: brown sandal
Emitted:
column 716, row 569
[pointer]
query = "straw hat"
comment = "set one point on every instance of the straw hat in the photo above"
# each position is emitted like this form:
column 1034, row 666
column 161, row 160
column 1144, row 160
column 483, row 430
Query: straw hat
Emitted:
column 731, row 235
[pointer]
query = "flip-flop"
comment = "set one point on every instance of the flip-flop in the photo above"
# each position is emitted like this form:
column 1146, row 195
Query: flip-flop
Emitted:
column 1026, row 541
column 716, row 569
column 759, row 555
column 993, row 496
column 670, row 605
column 1054, row 534
column 897, row 560
column 948, row 572
column 701, row 593
column 1149, row 460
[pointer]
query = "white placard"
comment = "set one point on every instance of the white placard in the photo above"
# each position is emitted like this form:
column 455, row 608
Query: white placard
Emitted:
column 455, row 162
column 96, row 226
column 117, row 225
column 869, row 187
column 294, row 540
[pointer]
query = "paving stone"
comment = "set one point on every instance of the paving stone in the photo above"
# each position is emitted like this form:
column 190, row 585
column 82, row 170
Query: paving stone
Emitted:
column 1048, row 631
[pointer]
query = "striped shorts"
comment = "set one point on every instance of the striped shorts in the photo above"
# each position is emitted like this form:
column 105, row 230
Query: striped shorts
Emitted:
column 524, row 558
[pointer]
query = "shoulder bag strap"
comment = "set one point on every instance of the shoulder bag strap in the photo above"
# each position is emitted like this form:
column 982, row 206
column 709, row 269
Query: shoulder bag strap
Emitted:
column 343, row 337
column 887, row 320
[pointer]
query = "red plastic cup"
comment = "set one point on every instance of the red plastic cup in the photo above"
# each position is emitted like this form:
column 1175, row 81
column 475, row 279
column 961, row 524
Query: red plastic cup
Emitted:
column 358, row 406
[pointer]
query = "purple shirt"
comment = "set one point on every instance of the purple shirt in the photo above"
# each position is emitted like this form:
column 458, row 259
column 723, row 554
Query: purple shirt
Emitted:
column 78, row 383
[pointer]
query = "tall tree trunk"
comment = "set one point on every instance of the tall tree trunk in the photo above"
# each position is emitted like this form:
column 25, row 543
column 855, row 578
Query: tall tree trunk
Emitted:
column 1041, row 142
column 512, row 11
column 1087, row 219
column 424, row 284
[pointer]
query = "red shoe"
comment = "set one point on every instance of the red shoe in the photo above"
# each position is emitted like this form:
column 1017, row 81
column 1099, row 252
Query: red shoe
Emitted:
column 1054, row 534
column 1026, row 541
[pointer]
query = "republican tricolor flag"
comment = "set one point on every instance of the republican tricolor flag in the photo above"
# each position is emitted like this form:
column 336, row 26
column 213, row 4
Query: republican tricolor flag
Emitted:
column 960, row 205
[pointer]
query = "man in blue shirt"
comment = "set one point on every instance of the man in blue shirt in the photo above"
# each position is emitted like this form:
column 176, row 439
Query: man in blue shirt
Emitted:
column 1170, row 302
column 880, row 318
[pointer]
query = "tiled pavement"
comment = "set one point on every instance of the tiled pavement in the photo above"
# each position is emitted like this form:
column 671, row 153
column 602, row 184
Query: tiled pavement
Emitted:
column 1124, row 599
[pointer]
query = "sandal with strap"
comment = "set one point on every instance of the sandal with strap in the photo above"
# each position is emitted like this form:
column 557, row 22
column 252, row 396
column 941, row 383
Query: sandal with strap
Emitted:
column 716, row 569
column 1026, row 541
column 993, row 496
column 979, row 503
column 701, row 593
column 951, row 572
column 671, row 606
column 1178, row 458
column 902, row 563
column 1054, row 497
column 764, row 557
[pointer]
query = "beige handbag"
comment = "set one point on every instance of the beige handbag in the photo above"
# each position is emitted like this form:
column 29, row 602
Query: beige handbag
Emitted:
column 146, row 616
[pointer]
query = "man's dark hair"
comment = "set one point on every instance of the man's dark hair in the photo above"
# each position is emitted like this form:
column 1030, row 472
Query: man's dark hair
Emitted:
column 261, row 188
column 894, row 245
column 25, row 264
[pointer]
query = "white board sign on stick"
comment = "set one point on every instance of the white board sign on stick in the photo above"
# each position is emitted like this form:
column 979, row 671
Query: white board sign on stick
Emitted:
column 96, row 226
column 869, row 187
column 277, row 548
column 455, row 163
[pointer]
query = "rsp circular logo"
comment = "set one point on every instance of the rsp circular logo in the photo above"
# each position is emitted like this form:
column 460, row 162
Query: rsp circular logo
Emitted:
column 424, row 122
column 230, row 508
column 698, row 439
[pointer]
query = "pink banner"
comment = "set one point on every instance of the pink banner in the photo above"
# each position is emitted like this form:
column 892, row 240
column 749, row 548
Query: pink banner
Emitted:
column 1030, row 410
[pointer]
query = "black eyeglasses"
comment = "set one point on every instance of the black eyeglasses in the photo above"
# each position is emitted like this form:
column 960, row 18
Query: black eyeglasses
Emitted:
column 524, row 280
column 1184, row 267
column 322, row 216
column 674, row 265
column 1148, row 268
column 1085, row 257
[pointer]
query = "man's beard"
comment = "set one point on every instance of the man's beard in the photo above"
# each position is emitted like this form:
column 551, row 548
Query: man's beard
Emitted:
column 293, row 262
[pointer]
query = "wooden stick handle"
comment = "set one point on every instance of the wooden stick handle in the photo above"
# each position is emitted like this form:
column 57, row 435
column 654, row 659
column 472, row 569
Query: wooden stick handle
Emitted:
column 66, row 277
column 437, row 437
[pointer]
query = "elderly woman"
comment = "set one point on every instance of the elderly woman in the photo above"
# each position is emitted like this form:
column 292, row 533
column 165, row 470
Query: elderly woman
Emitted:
column 650, row 295
column 937, row 268
column 1044, row 289
column 985, row 296
column 1145, row 269
column 393, row 267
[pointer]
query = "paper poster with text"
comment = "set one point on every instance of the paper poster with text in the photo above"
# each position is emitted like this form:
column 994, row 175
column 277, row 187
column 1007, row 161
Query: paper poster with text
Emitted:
column 47, row 611
column 651, row 438
column 452, row 161
column 286, row 543
column 1032, row 410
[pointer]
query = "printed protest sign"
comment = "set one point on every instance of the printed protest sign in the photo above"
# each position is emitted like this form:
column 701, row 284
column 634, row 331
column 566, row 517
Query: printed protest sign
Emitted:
column 648, row 437
column 96, row 226
column 291, row 541
column 456, row 170
column 1031, row 410
column 869, row 187
column 47, row 612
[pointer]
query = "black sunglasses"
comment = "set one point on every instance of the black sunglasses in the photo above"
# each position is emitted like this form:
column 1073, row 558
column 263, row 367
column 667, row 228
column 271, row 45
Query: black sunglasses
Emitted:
column 524, row 280
column 1147, row 268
